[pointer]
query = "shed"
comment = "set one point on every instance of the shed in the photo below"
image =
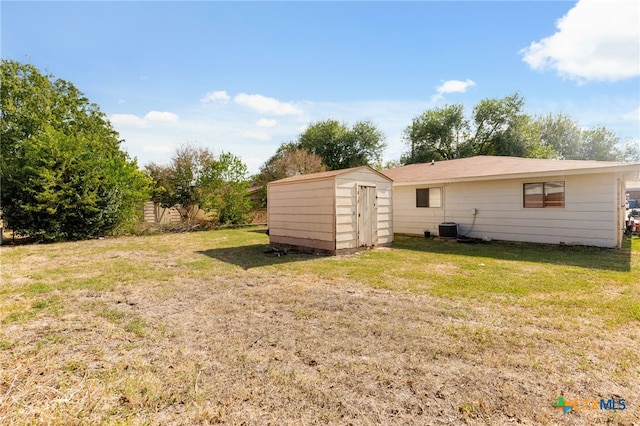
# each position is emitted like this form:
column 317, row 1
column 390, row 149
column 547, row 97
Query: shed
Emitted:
column 338, row 211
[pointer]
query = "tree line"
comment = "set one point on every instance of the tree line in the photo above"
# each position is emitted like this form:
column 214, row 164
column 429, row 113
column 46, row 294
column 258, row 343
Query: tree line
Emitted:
column 64, row 175
column 502, row 127
column 496, row 127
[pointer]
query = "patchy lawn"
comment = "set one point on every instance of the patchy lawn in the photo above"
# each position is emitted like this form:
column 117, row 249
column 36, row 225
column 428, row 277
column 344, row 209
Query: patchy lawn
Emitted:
column 209, row 328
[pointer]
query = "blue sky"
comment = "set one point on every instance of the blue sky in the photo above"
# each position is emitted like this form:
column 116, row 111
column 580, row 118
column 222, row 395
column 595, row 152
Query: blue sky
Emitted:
column 245, row 77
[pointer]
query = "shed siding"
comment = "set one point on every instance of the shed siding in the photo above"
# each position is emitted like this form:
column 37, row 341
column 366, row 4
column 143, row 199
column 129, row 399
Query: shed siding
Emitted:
column 589, row 216
column 319, row 245
column 302, row 214
column 346, row 208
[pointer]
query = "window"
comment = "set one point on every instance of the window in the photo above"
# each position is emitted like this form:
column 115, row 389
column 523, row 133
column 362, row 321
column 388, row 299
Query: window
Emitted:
column 543, row 194
column 428, row 197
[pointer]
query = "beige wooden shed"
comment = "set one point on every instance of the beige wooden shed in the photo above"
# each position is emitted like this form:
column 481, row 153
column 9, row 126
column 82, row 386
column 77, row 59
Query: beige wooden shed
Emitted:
column 334, row 212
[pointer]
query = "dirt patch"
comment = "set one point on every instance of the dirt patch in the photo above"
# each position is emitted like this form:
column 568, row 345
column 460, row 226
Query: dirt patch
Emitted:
column 254, row 349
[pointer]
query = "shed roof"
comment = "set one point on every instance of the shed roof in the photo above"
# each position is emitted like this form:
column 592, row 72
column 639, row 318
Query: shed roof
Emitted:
column 325, row 175
column 495, row 167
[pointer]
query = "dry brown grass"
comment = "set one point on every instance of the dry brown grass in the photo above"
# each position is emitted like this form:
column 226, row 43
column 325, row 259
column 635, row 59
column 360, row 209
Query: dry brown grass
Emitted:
column 144, row 331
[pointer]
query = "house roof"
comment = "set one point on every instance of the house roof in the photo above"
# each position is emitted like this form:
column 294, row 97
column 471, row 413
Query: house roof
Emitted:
column 494, row 167
column 325, row 175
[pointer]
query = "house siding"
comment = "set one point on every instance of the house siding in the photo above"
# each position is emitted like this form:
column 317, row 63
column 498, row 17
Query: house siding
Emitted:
column 589, row 216
column 409, row 219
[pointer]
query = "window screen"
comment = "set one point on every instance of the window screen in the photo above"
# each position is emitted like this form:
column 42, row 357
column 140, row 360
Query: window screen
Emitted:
column 422, row 197
column 543, row 194
column 428, row 197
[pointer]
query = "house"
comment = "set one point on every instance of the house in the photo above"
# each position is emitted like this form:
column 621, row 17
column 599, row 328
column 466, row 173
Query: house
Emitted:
column 515, row 199
column 334, row 212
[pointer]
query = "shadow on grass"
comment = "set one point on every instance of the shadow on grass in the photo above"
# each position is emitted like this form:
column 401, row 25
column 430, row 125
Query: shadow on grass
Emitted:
column 582, row 256
column 255, row 256
column 258, row 231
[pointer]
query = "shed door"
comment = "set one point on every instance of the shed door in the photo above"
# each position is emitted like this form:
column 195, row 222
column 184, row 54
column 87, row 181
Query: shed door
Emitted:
column 367, row 216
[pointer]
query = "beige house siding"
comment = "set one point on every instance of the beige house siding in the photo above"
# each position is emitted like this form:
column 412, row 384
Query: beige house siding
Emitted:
column 409, row 219
column 589, row 217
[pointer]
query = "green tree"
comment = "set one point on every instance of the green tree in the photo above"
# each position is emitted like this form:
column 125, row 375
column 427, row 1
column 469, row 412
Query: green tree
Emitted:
column 180, row 184
column 227, row 185
column 197, row 179
column 436, row 135
column 63, row 173
column 632, row 150
column 501, row 127
column 600, row 144
column 562, row 133
column 341, row 147
column 289, row 160
column 572, row 142
column 498, row 127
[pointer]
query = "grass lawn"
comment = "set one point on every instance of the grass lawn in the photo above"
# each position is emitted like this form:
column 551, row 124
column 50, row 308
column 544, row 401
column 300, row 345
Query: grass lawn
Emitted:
column 209, row 327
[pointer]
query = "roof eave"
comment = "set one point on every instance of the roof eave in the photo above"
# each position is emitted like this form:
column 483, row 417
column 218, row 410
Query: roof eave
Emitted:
column 291, row 182
column 332, row 176
column 635, row 168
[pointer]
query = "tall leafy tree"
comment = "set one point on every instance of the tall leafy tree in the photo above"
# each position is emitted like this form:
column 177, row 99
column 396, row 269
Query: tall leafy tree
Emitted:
column 497, row 127
column 501, row 127
column 632, row 151
column 436, row 134
column 180, row 183
column 572, row 142
column 562, row 133
column 63, row 173
column 227, row 184
column 599, row 143
column 289, row 160
column 341, row 147
column 196, row 178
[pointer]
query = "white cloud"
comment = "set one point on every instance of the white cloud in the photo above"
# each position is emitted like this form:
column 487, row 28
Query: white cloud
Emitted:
column 131, row 120
column 161, row 116
column 633, row 115
column 455, row 86
column 128, row 120
column 219, row 96
column 266, row 105
column 266, row 122
column 596, row 40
